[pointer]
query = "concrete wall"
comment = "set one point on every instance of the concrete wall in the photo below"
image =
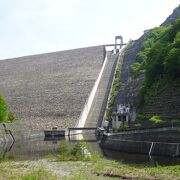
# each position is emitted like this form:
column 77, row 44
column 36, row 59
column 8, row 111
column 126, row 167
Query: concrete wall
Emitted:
column 165, row 103
column 171, row 135
column 145, row 143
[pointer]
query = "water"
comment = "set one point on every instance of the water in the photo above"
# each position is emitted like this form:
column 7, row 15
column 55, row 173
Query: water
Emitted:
column 38, row 148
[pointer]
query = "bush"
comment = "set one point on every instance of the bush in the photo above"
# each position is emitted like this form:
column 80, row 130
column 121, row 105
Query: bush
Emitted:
column 123, row 127
column 80, row 152
column 115, row 130
column 156, row 120
column 135, row 67
column 3, row 110
column 64, row 149
column 176, row 121
column 11, row 117
column 142, row 117
column 138, row 125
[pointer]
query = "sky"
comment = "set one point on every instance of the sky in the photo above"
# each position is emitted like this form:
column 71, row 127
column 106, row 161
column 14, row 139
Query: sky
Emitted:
column 40, row 26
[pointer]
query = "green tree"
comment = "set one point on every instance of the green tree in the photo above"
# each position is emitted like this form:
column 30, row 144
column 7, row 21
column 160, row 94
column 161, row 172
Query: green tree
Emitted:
column 160, row 59
column 3, row 110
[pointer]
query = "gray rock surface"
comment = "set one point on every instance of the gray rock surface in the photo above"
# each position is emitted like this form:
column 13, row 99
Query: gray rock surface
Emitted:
column 129, row 88
column 50, row 89
column 172, row 17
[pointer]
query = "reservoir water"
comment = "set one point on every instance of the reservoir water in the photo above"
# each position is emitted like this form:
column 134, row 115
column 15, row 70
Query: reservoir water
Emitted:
column 39, row 148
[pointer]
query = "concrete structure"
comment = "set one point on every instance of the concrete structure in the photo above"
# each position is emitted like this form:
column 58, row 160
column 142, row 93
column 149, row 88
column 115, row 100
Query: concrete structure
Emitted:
column 121, row 116
column 96, row 113
column 161, row 141
column 118, row 44
column 118, row 40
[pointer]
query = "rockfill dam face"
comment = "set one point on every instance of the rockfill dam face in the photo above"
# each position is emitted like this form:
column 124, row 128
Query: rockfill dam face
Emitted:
column 51, row 89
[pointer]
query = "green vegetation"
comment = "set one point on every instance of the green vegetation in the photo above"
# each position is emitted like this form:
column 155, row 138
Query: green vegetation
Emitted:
column 159, row 60
column 23, row 171
column 98, row 168
column 143, row 117
column 80, row 152
column 3, row 110
column 116, row 84
column 11, row 117
column 156, row 120
column 138, row 126
column 5, row 115
column 176, row 121
column 39, row 174
column 123, row 127
column 144, row 121
column 101, row 169
column 149, row 121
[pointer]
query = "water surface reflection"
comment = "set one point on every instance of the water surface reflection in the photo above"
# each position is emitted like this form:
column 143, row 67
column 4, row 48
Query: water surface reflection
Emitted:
column 39, row 148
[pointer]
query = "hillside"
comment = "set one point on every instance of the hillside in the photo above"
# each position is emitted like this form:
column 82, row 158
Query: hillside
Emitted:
column 150, row 72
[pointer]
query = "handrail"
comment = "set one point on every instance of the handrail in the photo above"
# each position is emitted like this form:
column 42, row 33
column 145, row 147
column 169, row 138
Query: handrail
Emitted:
column 145, row 130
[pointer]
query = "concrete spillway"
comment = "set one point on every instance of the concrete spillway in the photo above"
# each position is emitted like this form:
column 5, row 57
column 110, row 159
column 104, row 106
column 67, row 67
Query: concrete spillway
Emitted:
column 96, row 113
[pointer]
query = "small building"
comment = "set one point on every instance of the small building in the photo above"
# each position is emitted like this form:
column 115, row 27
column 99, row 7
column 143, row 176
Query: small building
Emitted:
column 121, row 116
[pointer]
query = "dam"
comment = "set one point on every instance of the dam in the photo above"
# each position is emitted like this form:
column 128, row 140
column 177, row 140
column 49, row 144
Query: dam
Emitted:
column 55, row 89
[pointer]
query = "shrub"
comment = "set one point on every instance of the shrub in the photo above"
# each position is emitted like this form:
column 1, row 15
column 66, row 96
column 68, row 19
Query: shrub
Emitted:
column 11, row 117
column 115, row 130
column 156, row 120
column 80, row 151
column 123, row 127
column 135, row 67
column 142, row 117
column 3, row 110
column 64, row 149
column 176, row 121
column 138, row 125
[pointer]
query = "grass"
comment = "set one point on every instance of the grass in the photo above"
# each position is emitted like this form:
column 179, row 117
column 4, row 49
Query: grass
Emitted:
column 106, row 169
column 80, row 152
column 39, row 174
column 73, row 164
column 11, row 170
column 80, row 170
column 24, row 171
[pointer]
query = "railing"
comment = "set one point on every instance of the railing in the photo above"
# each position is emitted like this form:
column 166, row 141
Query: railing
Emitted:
column 153, row 129
column 80, row 128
